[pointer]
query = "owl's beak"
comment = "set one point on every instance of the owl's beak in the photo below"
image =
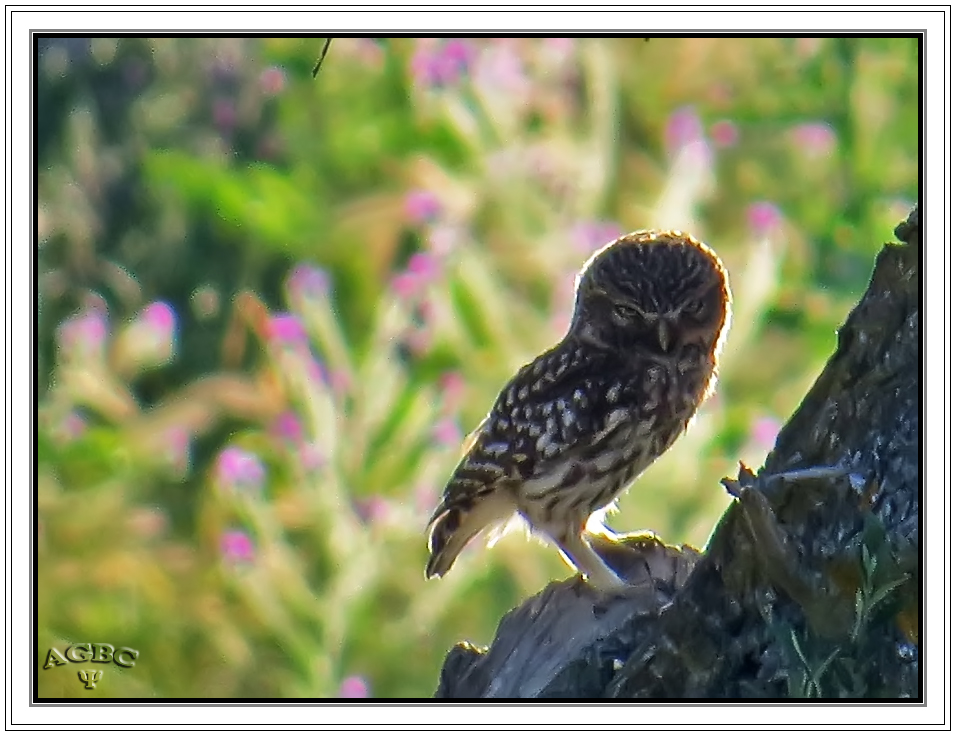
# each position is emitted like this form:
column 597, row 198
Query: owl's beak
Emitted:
column 664, row 335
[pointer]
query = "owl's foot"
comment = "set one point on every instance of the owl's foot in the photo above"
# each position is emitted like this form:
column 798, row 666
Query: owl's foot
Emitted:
column 589, row 563
column 607, row 582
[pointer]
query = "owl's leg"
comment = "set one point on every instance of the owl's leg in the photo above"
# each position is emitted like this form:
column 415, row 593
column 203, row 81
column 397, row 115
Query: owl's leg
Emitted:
column 579, row 553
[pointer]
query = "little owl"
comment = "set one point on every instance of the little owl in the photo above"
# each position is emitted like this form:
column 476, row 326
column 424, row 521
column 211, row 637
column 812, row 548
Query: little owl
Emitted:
column 578, row 423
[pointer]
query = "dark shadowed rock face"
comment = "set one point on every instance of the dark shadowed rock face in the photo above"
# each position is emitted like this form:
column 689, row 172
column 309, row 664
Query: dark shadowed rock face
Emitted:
column 810, row 584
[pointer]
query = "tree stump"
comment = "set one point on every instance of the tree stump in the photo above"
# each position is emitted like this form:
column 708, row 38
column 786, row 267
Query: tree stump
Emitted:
column 809, row 586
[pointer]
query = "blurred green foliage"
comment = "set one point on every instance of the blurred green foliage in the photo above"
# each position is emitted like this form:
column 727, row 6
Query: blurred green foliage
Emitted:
column 271, row 304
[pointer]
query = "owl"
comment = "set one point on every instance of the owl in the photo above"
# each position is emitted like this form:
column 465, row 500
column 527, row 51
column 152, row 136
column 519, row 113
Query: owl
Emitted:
column 575, row 426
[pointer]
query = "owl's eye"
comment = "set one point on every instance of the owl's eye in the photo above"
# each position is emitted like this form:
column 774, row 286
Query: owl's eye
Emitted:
column 696, row 309
column 625, row 313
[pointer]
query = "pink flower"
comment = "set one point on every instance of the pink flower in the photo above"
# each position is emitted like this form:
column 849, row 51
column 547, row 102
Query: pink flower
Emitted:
column 236, row 547
column 340, row 381
column 422, row 206
column 424, row 266
column 72, row 427
column 808, row 47
column 440, row 63
column 160, row 317
column 817, row 140
column 764, row 217
column 724, row 133
column 353, row 687
column 405, row 285
column 459, row 52
column 177, row 450
column 83, row 336
column 288, row 428
column 446, row 432
column 453, row 390
column 314, row 370
column 418, row 341
column 698, row 154
column 272, row 80
column 287, row 329
column 238, row 470
column 764, row 432
column 589, row 235
column 683, row 127
column 151, row 337
column 310, row 456
column 425, row 498
column 422, row 269
column 371, row 510
column 442, row 239
column 561, row 47
column 501, row 70
column 306, row 283
column 370, row 51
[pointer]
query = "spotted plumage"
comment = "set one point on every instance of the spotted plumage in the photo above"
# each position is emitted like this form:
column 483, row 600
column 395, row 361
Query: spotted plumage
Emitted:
column 577, row 424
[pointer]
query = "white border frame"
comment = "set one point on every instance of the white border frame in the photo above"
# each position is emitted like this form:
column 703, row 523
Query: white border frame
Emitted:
column 21, row 20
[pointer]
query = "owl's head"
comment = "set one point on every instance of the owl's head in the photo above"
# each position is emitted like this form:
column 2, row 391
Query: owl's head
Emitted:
column 655, row 291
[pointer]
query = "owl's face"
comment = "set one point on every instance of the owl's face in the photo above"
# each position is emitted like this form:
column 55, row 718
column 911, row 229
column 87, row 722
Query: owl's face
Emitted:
column 653, row 291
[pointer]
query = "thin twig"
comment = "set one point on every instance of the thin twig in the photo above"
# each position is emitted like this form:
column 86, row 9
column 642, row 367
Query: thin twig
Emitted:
column 318, row 64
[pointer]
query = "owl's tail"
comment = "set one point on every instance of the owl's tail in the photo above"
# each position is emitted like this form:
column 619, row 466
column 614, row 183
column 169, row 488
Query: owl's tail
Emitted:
column 459, row 520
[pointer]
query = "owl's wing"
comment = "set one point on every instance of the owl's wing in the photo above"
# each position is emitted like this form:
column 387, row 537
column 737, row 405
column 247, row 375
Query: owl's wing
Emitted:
column 548, row 406
column 531, row 419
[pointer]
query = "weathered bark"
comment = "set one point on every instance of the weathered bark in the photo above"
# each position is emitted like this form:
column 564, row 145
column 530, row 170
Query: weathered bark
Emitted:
column 808, row 587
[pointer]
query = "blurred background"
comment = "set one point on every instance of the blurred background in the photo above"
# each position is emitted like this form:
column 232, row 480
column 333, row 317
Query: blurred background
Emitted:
column 272, row 306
